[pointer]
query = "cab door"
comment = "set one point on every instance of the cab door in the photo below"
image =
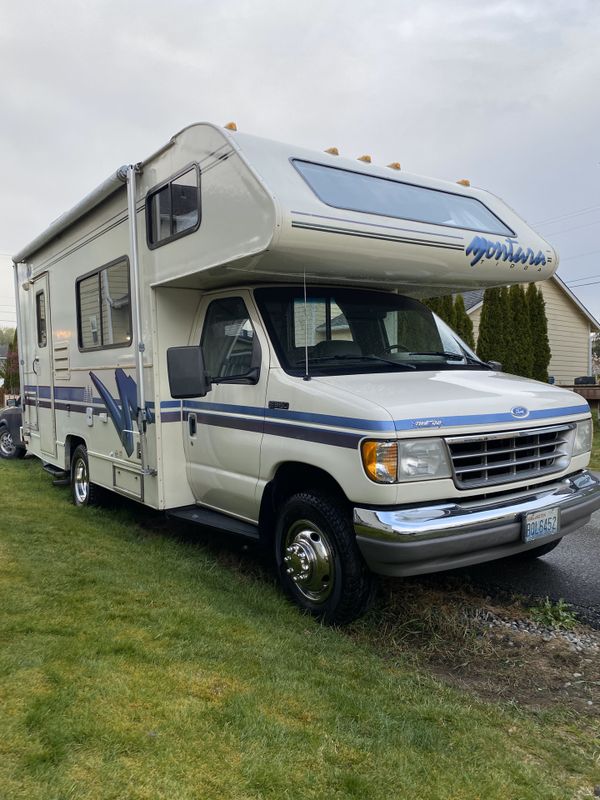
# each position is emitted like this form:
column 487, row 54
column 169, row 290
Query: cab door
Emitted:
column 223, row 431
column 39, row 373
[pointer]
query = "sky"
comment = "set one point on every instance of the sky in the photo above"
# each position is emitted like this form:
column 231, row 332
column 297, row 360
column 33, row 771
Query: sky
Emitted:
column 504, row 93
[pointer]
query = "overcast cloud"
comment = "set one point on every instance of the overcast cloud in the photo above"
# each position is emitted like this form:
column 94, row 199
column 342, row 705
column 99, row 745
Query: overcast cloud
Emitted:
column 503, row 93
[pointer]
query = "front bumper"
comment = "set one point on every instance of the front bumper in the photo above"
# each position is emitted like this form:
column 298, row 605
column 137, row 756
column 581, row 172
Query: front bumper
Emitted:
column 421, row 539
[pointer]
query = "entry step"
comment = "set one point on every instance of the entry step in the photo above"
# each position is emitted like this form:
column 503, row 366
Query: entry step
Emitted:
column 214, row 519
column 61, row 478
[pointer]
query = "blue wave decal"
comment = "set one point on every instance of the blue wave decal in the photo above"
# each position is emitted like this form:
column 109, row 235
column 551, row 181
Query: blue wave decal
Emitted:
column 509, row 250
column 121, row 415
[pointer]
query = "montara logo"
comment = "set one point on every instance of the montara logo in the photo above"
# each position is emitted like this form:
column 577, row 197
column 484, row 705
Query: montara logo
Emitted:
column 509, row 250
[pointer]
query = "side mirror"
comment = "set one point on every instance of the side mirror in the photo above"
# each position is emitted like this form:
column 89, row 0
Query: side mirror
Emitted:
column 11, row 403
column 495, row 365
column 187, row 374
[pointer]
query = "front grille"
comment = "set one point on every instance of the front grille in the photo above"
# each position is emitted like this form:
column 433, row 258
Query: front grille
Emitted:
column 495, row 458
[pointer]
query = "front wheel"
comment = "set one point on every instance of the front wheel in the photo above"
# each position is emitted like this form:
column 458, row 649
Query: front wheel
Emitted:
column 319, row 565
column 83, row 492
column 8, row 448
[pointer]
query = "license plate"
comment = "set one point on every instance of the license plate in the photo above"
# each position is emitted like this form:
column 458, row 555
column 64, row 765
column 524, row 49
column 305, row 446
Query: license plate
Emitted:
column 539, row 524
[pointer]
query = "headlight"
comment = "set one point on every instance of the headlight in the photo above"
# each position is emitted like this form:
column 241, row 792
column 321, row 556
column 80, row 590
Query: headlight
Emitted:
column 583, row 437
column 423, row 459
column 405, row 460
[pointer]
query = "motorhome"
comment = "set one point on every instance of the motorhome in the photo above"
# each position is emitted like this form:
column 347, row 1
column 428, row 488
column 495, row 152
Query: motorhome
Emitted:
column 231, row 331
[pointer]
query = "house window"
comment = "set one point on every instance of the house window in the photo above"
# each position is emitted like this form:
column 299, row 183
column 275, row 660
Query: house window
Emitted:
column 173, row 209
column 104, row 307
column 40, row 316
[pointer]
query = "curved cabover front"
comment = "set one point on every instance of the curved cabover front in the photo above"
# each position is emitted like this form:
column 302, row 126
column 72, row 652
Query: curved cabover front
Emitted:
column 356, row 222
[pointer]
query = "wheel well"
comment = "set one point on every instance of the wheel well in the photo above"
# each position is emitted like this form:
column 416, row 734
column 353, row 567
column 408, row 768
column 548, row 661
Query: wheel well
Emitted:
column 289, row 479
column 71, row 444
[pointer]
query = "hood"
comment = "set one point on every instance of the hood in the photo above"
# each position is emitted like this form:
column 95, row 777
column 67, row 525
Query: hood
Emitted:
column 459, row 398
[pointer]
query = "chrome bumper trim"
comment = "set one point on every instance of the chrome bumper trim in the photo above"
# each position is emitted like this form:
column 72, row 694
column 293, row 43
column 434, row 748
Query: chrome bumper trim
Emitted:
column 408, row 524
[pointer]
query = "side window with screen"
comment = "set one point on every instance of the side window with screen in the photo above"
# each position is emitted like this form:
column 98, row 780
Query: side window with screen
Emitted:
column 228, row 339
column 104, row 307
column 173, row 210
column 40, row 316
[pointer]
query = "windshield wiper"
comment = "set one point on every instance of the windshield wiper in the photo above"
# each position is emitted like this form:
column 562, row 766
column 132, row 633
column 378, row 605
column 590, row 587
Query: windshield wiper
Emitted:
column 451, row 356
column 347, row 357
column 443, row 353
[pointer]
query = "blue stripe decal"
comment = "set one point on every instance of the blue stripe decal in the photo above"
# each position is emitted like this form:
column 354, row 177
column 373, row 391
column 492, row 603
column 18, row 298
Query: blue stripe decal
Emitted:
column 296, row 416
column 485, row 419
column 76, row 394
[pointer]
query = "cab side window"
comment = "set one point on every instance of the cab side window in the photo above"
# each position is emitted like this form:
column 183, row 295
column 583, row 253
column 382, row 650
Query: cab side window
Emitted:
column 228, row 340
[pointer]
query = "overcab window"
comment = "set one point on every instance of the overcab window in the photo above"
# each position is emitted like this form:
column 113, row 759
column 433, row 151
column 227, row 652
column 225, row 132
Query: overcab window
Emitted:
column 104, row 307
column 173, row 209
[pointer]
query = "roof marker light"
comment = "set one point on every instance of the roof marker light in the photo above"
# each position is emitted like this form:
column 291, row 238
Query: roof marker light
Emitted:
column 231, row 126
column 464, row 182
column 395, row 165
column 333, row 151
column 366, row 159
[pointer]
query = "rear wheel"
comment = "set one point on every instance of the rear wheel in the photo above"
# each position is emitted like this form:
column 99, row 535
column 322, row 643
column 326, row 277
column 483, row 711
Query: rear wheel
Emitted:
column 84, row 492
column 8, row 448
column 319, row 565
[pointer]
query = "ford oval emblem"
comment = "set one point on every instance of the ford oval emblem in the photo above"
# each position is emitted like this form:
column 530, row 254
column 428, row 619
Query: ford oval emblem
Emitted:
column 520, row 412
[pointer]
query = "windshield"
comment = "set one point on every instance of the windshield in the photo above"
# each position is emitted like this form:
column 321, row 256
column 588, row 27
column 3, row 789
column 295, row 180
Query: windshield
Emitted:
column 357, row 330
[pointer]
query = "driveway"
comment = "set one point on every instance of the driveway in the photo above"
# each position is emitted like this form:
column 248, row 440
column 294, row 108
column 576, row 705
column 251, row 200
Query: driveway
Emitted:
column 571, row 571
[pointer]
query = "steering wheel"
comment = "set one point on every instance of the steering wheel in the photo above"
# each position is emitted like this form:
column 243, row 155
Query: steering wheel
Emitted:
column 399, row 347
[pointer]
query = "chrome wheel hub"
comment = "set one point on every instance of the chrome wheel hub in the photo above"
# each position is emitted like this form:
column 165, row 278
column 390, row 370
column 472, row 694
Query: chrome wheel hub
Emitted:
column 308, row 560
column 6, row 443
column 80, row 481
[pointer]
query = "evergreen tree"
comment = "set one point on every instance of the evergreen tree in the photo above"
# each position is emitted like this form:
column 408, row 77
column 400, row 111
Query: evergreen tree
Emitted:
column 539, row 333
column 463, row 323
column 519, row 351
column 6, row 335
column 447, row 310
column 10, row 370
column 504, row 332
column 433, row 303
column 491, row 328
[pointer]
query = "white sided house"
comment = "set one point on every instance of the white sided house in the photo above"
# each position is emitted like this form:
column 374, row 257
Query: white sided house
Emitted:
column 228, row 331
column 570, row 327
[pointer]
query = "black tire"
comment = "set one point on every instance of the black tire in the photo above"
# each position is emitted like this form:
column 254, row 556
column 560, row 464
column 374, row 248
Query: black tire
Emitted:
column 318, row 562
column 83, row 492
column 8, row 449
column 536, row 552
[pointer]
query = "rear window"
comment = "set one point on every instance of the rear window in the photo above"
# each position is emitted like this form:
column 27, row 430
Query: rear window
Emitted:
column 355, row 191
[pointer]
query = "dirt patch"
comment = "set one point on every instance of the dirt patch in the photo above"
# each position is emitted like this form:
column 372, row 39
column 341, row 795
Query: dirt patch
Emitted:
column 491, row 648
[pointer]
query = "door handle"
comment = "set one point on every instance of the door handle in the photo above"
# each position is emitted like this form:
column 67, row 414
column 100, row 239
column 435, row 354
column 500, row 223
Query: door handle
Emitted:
column 192, row 424
column 35, row 361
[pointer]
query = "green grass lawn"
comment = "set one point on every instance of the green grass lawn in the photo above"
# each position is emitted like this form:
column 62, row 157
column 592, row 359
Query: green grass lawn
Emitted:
column 134, row 664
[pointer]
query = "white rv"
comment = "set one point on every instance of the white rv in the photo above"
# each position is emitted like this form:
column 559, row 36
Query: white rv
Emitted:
column 230, row 331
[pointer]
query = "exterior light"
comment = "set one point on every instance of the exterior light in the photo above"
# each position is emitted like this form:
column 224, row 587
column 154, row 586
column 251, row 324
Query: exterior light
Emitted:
column 333, row 151
column 395, row 165
column 231, row 126
column 464, row 182
column 365, row 158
